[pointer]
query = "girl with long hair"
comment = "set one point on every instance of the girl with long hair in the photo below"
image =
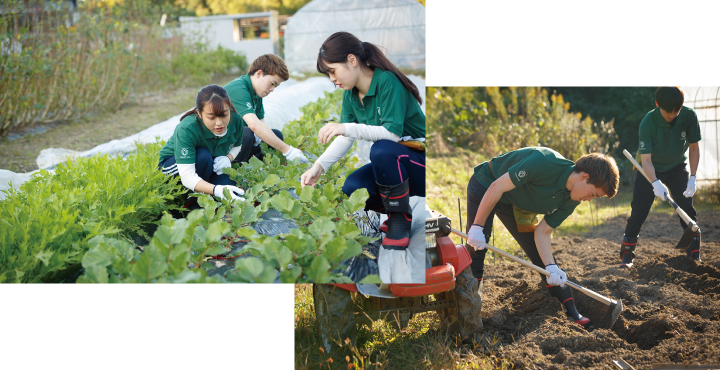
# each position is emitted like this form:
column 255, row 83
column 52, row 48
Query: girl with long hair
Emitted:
column 380, row 104
column 206, row 140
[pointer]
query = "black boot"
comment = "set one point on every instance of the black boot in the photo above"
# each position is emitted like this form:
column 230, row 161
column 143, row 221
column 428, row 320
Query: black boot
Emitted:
column 565, row 296
column 627, row 251
column 396, row 199
column 693, row 250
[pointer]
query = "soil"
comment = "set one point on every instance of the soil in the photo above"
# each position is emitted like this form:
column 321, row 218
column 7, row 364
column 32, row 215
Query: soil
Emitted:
column 672, row 303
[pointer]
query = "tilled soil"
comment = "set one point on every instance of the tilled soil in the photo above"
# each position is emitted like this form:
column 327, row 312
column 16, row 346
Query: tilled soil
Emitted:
column 672, row 303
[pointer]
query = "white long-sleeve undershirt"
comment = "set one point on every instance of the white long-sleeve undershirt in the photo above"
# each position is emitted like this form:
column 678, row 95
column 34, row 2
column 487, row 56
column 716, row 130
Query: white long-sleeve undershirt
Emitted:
column 342, row 144
column 362, row 131
column 188, row 175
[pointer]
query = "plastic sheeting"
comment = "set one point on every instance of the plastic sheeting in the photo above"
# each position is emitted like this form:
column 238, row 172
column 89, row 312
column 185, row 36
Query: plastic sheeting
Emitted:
column 396, row 25
column 282, row 106
column 706, row 103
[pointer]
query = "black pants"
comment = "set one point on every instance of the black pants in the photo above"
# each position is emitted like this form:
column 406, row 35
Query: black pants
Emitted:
column 675, row 180
column 249, row 148
column 475, row 193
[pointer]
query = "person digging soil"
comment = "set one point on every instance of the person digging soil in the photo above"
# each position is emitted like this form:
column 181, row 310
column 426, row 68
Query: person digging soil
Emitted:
column 517, row 186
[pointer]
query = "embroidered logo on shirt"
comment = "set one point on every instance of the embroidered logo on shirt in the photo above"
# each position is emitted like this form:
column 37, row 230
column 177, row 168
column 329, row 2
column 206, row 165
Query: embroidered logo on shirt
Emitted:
column 682, row 135
column 249, row 105
column 184, row 151
column 553, row 211
column 378, row 110
column 521, row 174
column 642, row 144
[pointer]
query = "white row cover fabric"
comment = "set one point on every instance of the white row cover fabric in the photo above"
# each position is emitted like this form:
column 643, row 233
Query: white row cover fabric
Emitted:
column 408, row 266
column 281, row 106
column 396, row 25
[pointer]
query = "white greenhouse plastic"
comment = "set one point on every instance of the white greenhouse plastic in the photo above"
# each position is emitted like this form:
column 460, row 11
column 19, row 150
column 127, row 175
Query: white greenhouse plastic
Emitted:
column 706, row 103
column 396, row 25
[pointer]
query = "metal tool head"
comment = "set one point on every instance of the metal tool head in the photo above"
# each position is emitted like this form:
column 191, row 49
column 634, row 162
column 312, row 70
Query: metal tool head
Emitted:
column 617, row 310
column 687, row 238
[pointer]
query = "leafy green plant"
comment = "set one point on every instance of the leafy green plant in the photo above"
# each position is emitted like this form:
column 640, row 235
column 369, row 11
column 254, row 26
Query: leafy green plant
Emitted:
column 180, row 250
column 47, row 222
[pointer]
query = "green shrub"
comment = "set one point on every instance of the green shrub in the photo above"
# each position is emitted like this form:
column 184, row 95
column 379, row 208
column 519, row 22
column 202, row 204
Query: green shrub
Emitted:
column 52, row 70
column 46, row 224
column 492, row 120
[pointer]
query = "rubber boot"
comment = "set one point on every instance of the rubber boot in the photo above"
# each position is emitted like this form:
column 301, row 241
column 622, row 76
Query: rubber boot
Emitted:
column 693, row 250
column 396, row 199
column 565, row 296
column 627, row 251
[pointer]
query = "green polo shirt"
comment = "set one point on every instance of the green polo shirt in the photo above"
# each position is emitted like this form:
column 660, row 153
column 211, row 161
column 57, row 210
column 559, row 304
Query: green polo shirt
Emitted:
column 540, row 175
column 668, row 142
column 191, row 133
column 388, row 104
column 243, row 97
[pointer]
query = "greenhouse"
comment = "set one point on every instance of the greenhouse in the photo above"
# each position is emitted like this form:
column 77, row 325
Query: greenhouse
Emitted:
column 396, row 25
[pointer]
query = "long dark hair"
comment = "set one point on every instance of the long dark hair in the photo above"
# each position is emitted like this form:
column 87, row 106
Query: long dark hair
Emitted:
column 341, row 44
column 217, row 96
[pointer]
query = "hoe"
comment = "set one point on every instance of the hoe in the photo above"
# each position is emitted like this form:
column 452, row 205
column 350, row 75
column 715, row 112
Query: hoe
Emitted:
column 616, row 306
column 692, row 228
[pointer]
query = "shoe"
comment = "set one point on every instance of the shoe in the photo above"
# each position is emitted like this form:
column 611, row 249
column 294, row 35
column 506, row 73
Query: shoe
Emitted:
column 693, row 250
column 583, row 321
column 396, row 199
column 627, row 251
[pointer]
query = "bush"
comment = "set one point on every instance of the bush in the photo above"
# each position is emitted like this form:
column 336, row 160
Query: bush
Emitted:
column 46, row 224
column 52, row 69
column 492, row 120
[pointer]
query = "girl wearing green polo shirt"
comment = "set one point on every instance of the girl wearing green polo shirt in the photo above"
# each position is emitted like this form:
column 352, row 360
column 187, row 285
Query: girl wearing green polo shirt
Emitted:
column 381, row 105
column 205, row 141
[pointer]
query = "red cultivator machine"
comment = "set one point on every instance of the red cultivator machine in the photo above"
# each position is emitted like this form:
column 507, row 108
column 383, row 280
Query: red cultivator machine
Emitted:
column 449, row 288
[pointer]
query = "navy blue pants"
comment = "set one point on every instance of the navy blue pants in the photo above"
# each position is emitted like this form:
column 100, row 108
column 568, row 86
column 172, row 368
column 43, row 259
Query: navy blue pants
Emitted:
column 203, row 167
column 643, row 197
column 390, row 164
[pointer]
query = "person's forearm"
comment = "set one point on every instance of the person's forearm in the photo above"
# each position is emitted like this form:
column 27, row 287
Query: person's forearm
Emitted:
column 266, row 134
column 204, row 187
column 488, row 202
column 543, row 234
column 694, row 158
column 648, row 167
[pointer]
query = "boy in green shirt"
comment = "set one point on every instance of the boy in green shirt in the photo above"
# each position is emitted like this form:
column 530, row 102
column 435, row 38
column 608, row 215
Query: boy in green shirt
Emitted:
column 265, row 74
column 665, row 134
column 518, row 186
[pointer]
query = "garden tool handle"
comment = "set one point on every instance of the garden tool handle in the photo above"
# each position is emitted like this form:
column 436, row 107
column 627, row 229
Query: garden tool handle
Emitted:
column 679, row 210
column 541, row 270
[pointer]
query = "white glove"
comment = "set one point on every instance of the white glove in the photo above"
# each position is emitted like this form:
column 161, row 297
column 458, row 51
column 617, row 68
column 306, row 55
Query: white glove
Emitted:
column 659, row 189
column 219, row 163
column 690, row 191
column 295, row 153
column 476, row 238
column 218, row 191
column 557, row 276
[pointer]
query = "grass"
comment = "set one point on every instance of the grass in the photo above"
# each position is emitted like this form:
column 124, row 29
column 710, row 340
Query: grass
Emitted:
column 138, row 114
column 381, row 346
